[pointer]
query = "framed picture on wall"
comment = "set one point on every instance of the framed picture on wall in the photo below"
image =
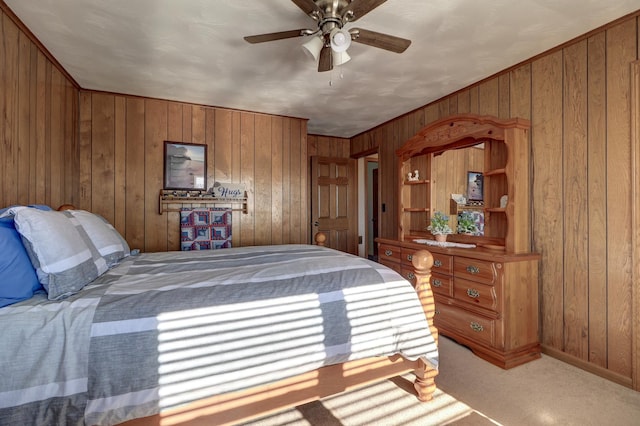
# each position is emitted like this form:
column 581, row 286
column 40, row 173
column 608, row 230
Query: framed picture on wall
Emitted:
column 185, row 166
column 474, row 186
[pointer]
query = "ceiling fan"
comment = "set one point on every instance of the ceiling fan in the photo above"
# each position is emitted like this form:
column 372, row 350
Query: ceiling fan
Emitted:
column 330, row 41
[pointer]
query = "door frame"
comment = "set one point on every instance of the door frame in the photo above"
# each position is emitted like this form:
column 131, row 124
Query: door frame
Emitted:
column 363, row 201
column 368, row 219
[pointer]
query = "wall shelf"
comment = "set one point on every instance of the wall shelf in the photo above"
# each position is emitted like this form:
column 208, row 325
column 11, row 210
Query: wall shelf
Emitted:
column 168, row 199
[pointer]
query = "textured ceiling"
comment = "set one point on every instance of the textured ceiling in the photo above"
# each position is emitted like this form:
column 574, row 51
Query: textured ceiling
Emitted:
column 193, row 51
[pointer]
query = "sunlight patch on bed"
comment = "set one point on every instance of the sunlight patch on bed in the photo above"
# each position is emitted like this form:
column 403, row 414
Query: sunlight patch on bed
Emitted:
column 206, row 351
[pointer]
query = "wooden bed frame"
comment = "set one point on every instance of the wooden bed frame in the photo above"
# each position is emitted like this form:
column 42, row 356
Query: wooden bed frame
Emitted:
column 241, row 406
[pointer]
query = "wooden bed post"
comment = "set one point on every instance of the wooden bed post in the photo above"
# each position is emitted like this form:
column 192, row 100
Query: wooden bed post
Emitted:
column 320, row 239
column 425, row 376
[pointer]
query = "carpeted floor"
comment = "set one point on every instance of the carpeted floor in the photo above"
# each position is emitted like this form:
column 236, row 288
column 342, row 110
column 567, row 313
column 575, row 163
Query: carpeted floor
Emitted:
column 473, row 392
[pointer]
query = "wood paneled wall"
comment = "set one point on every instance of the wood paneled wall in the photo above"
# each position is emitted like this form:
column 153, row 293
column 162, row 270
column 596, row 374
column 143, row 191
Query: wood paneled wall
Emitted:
column 578, row 100
column 121, row 167
column 38, row 132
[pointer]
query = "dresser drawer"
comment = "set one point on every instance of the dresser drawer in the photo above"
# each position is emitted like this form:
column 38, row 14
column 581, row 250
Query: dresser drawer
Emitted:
column 441, row 284
column 389, row 253
column 476, row 293
column 476, row 270
column 442, row 263
column 476, row 327
column 406, row 255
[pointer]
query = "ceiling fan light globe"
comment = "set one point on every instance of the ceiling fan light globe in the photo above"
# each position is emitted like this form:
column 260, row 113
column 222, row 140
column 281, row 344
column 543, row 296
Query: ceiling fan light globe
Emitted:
column 340, row 40
column 313, row 47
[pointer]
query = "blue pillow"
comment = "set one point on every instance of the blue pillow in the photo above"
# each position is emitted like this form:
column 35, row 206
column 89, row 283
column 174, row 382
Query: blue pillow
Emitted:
column 18, row 279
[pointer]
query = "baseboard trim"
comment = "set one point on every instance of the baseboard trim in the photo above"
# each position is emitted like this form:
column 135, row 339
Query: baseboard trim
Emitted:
column 583, row 365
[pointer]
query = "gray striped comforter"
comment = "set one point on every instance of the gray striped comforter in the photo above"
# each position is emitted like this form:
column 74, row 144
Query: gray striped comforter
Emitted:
column 164, row 329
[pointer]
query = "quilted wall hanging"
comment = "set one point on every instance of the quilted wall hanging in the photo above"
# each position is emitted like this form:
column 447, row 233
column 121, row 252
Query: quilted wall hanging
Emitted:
column 205, row 228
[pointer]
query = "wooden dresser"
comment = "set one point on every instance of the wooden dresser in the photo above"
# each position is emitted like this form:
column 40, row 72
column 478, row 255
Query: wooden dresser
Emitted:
column 485, row 300
column 487, row 292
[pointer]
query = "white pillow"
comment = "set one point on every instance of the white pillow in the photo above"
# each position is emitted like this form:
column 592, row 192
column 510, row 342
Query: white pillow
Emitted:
column 110, row 244
column 62, row 254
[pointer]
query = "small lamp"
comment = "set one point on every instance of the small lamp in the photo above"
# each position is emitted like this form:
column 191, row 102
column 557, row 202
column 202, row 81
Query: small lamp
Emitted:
column 313, row 47
column 340, row 58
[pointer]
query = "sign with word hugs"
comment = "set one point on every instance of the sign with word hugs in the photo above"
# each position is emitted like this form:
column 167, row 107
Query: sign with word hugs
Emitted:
column 227, row 190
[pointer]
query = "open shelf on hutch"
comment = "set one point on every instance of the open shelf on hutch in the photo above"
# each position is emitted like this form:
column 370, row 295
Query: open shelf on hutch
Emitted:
column 174, row 201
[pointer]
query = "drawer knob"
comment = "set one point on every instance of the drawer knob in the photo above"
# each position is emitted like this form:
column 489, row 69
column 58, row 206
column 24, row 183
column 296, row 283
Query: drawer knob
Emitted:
column 437, row 263
column 410, row 276
column 472, row 292
column 473, row 269
column 436, row 283
column 388, row 252
column 409, row 257
column 476, row 326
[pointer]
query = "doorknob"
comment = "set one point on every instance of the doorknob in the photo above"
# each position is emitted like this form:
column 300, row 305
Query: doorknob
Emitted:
column 316, row 223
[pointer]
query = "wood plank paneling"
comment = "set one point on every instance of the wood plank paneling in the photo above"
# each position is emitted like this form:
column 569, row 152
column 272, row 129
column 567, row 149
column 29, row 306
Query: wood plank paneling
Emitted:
column 135, row 171
column 10, row 55
column 547, row 191
column 155, row 133
column 621, row 51
column 575, row 196
column 103, row 155
column 262, row 175
column 597, row 199
column 119, row 166
column 247, row 172
column 24, row 118
column 276, row 179
column 286, row 179
column 489, row 93
column 296, row 183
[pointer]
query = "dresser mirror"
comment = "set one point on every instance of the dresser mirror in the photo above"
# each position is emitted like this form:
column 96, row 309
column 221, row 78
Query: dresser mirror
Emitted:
column 450, row 172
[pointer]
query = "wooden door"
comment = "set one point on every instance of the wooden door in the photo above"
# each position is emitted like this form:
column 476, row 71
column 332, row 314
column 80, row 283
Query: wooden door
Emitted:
column 333, row 201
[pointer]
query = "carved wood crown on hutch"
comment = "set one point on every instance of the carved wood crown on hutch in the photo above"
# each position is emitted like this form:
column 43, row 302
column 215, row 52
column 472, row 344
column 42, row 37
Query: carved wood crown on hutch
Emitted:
column 458, row 131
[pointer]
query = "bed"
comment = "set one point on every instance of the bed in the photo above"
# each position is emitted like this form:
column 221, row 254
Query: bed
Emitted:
column 209, row 337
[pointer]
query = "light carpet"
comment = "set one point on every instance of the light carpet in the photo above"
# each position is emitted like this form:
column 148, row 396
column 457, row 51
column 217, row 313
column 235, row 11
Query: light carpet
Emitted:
column 472, row 391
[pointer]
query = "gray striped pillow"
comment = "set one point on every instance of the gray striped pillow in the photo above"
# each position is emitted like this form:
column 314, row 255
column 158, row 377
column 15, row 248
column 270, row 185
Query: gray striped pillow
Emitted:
column 110, row 244
column 60, row 250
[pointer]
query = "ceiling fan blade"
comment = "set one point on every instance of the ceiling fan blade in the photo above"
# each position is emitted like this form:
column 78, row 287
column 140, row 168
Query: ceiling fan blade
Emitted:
column 325, row 63
column 380, row 40
column 360, row 8
column 261, row 38
column 308, row 7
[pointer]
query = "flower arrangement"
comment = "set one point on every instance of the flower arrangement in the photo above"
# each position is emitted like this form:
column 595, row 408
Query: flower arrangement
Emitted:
column 439, row 224
column 467, row 223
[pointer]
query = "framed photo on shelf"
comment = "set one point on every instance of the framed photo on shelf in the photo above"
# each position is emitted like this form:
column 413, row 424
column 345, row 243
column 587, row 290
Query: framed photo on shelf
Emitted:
column 475, row 186
column 185, row 166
